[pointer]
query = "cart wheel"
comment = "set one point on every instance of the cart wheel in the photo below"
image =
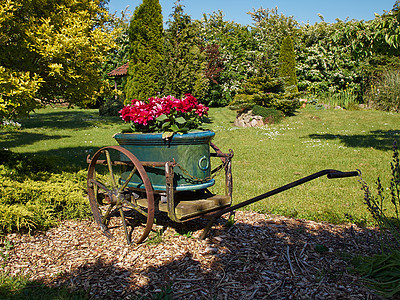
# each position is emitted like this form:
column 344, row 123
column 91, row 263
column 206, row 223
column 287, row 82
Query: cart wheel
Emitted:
column 109, row 195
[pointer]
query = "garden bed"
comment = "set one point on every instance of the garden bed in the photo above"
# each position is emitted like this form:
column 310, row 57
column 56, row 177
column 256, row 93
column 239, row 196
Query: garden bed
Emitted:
column 259, row 257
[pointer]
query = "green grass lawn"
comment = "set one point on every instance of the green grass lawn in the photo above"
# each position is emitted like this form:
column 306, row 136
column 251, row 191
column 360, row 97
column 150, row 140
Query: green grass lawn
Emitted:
column 265, row 158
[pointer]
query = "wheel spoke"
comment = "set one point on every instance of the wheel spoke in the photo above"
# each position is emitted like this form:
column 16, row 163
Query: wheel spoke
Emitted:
column 100, row 185
column 105, row 216
column 109, row 164
column 135, row 207
column 125, row 228
column 128, row 179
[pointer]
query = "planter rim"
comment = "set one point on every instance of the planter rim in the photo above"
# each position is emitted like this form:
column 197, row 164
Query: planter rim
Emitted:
column 196, row 133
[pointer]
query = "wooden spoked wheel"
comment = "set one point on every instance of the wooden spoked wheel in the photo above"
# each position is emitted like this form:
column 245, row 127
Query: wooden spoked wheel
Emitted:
column 109, row 174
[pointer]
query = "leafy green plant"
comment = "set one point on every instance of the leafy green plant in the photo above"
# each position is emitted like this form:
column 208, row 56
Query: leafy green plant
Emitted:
column 346, row 98
column 4, row 251
column 386, row 213
column 231, row 221
column 21, row 287
column 382, row 272
column 165, row 294
column 155, row 238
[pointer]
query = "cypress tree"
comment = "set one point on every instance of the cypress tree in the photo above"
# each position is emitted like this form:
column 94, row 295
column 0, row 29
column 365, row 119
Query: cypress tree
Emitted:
column 146, row 51
column 287, row 65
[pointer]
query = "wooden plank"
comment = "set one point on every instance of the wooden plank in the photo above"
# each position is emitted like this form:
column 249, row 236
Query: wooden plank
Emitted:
column 192, row 208
column 195, row 206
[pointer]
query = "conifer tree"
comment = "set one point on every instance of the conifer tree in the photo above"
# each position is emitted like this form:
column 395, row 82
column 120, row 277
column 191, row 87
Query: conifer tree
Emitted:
column 184, row 62
column 146, row 51
column 287, row 65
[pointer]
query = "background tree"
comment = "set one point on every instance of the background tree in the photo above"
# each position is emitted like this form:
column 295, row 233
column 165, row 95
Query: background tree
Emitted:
column 146, row 51
column 287, row 65
column 184, row 61
column 269, row 29
column 119, row 54
column 56, row 48
column 235, row 58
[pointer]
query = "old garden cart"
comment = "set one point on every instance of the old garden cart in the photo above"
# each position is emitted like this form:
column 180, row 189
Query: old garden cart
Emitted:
column 146, row 174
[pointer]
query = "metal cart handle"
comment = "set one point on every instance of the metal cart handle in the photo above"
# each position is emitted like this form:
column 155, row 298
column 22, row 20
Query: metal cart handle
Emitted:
column 342, row 174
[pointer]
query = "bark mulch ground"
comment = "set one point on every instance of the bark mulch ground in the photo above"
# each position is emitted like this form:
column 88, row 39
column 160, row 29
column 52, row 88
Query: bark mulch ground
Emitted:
column 259, row 257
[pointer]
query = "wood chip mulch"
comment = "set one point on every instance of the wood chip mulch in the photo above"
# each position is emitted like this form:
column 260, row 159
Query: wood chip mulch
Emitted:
column 260, row 257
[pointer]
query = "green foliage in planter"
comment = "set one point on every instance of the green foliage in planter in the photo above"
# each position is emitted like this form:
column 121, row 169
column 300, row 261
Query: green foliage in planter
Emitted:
column 265, row 91
column 146, row 51
column 287, row 65
column 33, row 196
column 270, row 115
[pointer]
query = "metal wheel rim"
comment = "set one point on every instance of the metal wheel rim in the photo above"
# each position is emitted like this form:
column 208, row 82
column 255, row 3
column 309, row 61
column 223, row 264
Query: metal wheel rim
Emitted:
column 147, row 184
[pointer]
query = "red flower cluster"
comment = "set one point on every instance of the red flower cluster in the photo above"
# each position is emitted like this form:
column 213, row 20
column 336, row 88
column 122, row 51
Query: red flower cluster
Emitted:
column 145, row 113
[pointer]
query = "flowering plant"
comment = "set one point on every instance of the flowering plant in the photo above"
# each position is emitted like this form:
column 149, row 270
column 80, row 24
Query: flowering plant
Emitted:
column 168, row 115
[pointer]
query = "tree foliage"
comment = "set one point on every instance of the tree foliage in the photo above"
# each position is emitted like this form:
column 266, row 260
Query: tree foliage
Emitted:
column 235, row 57
column 146, row 51
column 184, row 61
column 218, row 56
column 57, row 47
column 287, row 65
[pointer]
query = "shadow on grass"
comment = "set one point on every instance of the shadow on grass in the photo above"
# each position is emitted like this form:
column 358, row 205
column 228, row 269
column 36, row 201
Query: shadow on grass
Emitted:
column 60, row 159
column 22, row 288
column 19, row 138
column 378, row 139
column 68, row 119
column 73, row 156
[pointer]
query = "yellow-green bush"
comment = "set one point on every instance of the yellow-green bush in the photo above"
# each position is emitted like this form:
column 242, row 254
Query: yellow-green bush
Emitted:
column 33, row 198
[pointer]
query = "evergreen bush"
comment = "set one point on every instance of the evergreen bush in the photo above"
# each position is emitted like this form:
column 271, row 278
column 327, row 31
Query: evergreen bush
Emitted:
column 184, row 65
column 265, row 91
column 112, row 106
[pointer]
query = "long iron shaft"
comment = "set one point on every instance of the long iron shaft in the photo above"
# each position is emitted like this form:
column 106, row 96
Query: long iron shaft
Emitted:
column 329, row 172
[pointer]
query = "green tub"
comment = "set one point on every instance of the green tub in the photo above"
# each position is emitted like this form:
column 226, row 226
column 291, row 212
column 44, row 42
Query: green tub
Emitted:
column 190, row 150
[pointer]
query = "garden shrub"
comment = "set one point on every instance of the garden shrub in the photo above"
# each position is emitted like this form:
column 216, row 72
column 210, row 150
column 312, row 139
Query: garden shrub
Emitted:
column 267, row 92
column 270, row 115
column 33, row 196
column 385, row 91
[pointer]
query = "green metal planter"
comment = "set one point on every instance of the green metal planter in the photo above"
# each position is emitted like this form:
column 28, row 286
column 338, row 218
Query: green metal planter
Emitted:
column 191, row 152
